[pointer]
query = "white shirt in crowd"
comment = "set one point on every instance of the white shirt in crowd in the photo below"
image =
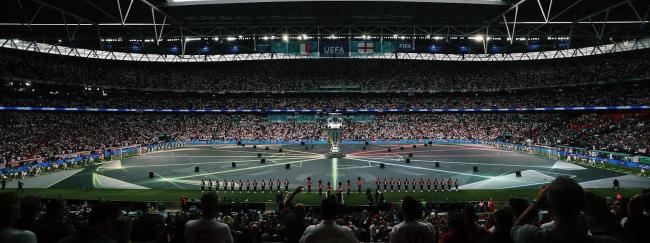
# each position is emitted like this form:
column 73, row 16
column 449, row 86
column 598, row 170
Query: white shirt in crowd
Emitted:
column 412, row 231
column 9, row 234
column 328, row 232
column 548, row 225
column 207, row 230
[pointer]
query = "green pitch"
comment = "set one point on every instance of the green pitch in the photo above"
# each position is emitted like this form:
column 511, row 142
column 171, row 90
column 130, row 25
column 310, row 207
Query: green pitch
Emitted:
column 158, row 195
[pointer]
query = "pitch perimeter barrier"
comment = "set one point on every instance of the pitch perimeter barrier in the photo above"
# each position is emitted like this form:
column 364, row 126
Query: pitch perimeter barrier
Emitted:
column 580, row 154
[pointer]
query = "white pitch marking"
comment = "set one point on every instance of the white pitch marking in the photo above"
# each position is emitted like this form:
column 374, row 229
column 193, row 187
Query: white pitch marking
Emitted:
column 242, row 169
column 469, row 163
column 303, row 152
column 422, row 168
column 181, row 164
column 356, row 167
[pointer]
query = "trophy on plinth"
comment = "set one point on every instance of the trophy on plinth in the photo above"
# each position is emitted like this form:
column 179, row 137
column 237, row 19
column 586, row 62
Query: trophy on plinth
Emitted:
column 335, row 135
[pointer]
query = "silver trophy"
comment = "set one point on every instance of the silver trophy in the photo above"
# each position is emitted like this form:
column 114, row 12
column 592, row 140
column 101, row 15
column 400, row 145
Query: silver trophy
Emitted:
column 335, row 135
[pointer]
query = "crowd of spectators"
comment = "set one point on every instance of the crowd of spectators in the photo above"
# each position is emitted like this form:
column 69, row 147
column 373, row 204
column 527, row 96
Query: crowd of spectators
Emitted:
column 42, row 95
column 298, row 75
column 27, row 135
column 561, row 212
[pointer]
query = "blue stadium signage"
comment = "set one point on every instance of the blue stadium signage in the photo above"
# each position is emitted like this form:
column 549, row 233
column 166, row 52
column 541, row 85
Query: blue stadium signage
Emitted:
column 435, row 110
column 334, row 49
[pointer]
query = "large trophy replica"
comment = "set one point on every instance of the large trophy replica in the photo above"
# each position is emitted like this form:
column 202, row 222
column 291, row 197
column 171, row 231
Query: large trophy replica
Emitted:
column 335, row 134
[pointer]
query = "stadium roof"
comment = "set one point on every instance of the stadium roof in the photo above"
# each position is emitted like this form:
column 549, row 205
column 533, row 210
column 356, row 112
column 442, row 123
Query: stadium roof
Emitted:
column 80, row 22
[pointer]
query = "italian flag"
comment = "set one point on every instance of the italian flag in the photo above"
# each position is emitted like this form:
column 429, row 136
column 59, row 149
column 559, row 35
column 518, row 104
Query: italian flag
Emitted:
column 305, row 48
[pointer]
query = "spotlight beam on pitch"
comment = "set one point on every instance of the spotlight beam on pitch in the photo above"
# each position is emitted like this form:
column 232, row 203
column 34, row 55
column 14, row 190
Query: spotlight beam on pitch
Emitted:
column 335, row 171
column 220, row 156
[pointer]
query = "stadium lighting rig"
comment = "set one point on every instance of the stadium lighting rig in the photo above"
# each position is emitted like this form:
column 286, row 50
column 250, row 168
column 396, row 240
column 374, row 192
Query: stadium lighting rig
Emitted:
column 515, row 22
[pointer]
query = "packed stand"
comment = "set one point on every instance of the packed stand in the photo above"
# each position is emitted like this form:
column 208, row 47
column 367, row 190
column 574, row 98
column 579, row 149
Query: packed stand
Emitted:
column 25, row 93
column 297, row 75
column 28, row 135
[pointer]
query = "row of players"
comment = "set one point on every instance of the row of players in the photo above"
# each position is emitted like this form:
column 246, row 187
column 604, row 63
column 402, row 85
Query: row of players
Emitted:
column 386, row 183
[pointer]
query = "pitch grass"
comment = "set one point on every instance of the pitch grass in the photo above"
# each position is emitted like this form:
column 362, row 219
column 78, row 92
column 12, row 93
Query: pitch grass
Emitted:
column 160, row 195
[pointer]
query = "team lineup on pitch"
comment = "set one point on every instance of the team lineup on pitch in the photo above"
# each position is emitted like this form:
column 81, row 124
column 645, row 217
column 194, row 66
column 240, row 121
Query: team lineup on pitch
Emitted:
column 176, row 168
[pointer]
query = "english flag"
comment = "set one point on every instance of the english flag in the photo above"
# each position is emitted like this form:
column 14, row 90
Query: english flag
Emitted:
column 365, row 47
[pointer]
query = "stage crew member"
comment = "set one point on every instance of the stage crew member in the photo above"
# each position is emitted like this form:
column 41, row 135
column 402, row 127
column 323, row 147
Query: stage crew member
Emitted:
column 20, row 187
column 617, row 184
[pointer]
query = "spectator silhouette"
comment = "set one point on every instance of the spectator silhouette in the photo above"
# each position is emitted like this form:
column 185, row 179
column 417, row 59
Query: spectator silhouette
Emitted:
column 54, row 219
column 297, row 224
column 207, row 229
column 10, row 205
column 599, row 219
column 564, row 198
column 457, row 230
column 327, row 231
column 636, row 225
column 30, row 207
column 102, row 224
column 503, row 220
column 412, row 229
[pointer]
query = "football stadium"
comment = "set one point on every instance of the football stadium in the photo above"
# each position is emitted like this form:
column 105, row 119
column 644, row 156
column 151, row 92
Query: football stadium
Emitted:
column 182, row 121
